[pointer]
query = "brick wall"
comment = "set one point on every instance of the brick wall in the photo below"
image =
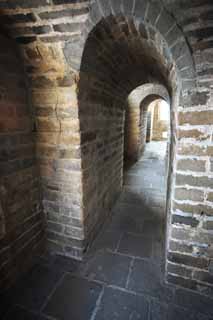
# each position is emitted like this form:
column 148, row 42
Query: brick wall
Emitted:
column 79, row 88
column 21, row 218
column 132, row 129
column 142, row 129
column 101, row 114
column 55, row 105
column 190, row 245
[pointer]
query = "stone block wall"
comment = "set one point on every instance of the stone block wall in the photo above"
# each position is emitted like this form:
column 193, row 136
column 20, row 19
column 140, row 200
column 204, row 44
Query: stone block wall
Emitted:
column 132, row 130
column 102, row 116
column 190, row 247
column 79, row 129
column 21, row 218
column 142, row 129
column 58, row 153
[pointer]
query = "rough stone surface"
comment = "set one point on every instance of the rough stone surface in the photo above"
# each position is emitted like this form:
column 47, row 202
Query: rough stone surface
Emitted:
column 21, row 219
column 62, row 124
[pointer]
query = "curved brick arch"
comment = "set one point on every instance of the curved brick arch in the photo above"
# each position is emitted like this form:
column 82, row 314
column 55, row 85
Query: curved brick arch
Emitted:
column 136, row 117
column 150, row 89
column 149, row 19
column 115, row 45
column 107, row 47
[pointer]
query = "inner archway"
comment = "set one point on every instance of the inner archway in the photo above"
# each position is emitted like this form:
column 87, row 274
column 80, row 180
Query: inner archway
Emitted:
column 146, row 168
column 158, row 121
column 103, row 89
column 139, row 116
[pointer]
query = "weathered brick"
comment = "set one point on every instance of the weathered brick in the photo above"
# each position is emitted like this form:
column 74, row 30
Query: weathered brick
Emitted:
column 53, row 39
column 181, row 247
column 195, row 209
column 55, row 227
column 63, row 219
column 201, row 33
column 183, row 282
column 191, row 165
column 184, row 235
column 76, row 233
column 208, row 225
column 33, row 30
column 24, row 225
column 203, row 276
column 48, row 125
column 63, row 13
column 63, row 240
column 67, row 27
column 210, row 197
column 24, row 4
column 202, row 46
column 196, row 118
column 189, row 194
column 179, row 270
column 18, row 18
column 185, row 220
column 195, row 150
column 188, row 260
column 196, row 181
column 196, row 99
column 26, row 40
column 193, row 134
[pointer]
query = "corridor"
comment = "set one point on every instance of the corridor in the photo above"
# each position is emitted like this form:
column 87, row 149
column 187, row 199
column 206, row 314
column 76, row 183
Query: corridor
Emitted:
column 122, row 275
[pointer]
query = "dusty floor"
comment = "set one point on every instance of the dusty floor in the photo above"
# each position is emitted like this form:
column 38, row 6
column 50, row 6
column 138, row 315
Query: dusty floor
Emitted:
column 122, row 275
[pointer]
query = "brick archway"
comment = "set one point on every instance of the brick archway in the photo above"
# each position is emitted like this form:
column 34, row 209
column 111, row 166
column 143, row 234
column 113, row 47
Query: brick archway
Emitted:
column 136, row 117
column 54, row 51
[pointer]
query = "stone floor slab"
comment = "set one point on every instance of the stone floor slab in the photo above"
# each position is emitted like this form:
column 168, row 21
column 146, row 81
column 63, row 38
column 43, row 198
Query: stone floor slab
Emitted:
column 146, row 278
column 135, row 245
column 74, row 298
column 120, row 305
column 109, row 268
column 107, row 240
column 194, row 301
column 152, row 228
column 158, row 311
column 32, row 290
column 127, row 223
column 177, row 313
column 17, row 313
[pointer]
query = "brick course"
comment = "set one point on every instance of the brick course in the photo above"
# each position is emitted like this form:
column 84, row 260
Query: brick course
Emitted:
column 21, row 218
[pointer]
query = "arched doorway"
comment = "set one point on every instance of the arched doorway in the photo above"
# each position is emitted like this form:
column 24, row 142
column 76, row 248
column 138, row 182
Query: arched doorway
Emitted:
column 103, row 89
column 139, row 119
column 158, row 121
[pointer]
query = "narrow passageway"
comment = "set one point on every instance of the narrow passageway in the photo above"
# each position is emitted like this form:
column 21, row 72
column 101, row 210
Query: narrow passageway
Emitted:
column 143, row 201
column 122, row 275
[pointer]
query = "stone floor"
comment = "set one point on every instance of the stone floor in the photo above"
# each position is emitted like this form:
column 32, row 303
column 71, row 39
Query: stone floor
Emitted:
column 122, row 275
